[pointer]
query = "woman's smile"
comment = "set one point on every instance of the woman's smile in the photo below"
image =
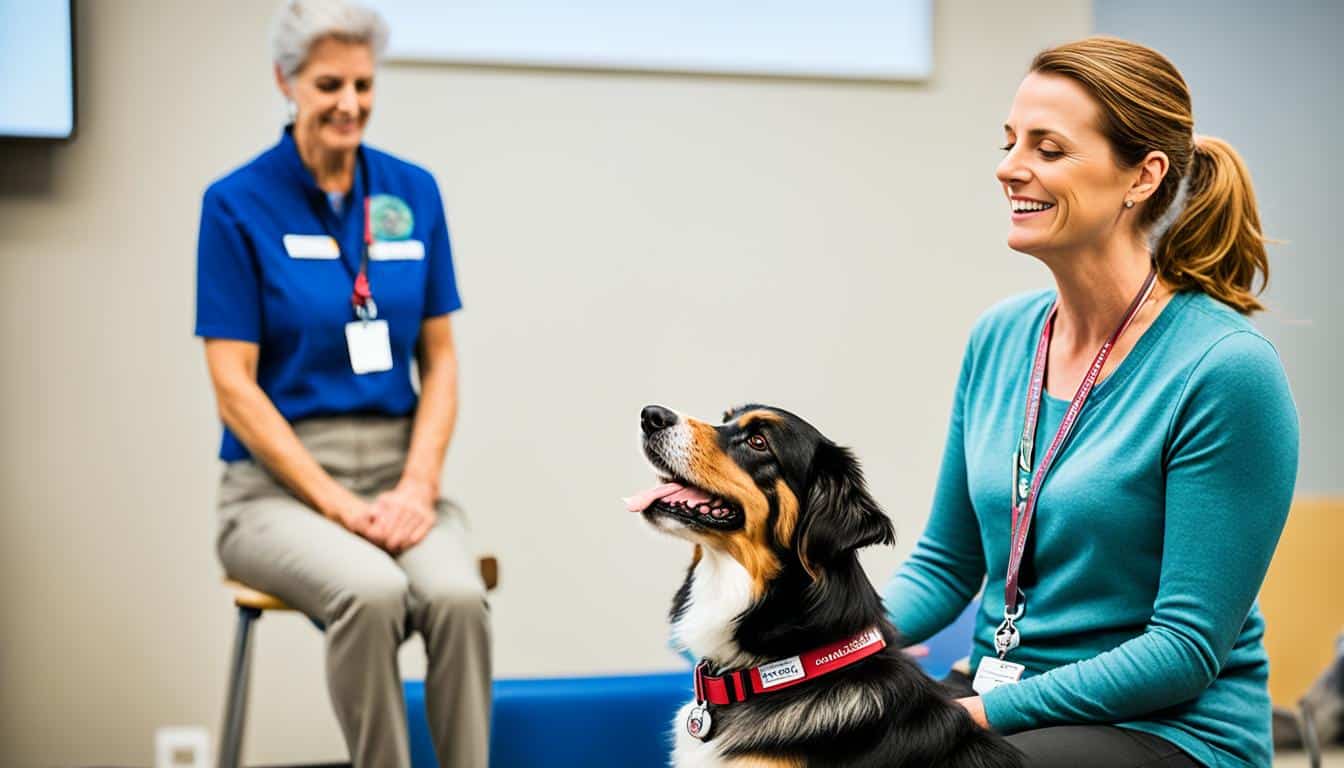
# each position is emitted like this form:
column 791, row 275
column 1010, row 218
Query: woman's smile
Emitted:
column 1026, row 208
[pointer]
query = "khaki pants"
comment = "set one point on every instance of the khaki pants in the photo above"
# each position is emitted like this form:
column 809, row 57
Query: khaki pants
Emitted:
column 367, row 599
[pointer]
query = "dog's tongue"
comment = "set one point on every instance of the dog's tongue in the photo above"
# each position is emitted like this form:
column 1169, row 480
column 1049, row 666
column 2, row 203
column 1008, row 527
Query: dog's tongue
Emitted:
column 668, row 492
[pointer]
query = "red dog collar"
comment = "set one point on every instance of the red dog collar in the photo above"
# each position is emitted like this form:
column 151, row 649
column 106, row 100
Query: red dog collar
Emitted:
column 738, row 686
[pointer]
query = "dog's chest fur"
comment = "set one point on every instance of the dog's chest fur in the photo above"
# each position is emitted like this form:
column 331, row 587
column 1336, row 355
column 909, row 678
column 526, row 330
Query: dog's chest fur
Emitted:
column 719, row 592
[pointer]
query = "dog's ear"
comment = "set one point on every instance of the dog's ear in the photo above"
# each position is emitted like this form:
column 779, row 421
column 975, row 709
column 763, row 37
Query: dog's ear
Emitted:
column 840, row 515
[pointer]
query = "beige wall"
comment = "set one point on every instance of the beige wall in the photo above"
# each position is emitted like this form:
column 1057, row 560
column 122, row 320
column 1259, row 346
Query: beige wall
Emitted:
column 621, row 239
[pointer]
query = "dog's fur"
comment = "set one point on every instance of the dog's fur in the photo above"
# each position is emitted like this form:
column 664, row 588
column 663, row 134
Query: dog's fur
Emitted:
column 777, row 576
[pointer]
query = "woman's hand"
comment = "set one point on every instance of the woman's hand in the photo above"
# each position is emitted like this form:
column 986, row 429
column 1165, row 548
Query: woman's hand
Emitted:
column 915, row 651
column 404, row 515
column 359, row 517
column 976, row 708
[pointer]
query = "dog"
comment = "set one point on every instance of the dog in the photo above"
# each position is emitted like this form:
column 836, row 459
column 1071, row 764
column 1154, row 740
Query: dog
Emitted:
column 775, row 594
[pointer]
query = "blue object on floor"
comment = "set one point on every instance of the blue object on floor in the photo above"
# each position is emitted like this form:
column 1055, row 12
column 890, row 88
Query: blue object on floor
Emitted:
column 952, row 644
column 618, row 721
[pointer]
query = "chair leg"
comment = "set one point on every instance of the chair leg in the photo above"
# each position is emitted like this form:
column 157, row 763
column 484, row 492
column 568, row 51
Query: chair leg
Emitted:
column 235, row 708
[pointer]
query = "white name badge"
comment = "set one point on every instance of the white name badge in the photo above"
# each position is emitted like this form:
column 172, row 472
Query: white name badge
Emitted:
column 311, row 247
column 397, row 250
column 994, row 672
column 370, row 348
column 781, row 672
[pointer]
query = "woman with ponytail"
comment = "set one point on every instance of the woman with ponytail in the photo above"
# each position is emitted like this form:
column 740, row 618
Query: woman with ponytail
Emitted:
column 1150, row 430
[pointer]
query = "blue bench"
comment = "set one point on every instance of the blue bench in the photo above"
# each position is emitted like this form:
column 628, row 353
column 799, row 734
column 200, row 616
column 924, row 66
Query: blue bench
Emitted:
column 579, row 721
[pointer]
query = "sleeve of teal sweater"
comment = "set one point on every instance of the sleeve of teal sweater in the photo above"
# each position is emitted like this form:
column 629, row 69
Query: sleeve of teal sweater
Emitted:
column 1231, row 463
column 947, row 566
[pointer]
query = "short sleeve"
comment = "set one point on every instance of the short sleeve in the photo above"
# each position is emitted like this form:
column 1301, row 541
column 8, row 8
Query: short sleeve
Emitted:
column 441, row 295
column 228, row 283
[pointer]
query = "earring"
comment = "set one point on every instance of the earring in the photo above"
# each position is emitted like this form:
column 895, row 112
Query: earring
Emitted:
column 291, row 111
column 1129, row 203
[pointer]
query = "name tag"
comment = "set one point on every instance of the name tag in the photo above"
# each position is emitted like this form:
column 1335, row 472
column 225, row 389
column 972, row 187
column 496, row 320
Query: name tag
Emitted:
column 397, row 250
column 370, row 347
column 311, row 247
column 994, row 672
column 782, row 671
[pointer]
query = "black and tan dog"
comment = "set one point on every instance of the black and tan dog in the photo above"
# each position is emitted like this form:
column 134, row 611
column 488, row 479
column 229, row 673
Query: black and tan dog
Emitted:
column 799, row 665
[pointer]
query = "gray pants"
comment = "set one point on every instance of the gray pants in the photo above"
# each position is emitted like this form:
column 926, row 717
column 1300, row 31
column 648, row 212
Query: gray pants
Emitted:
column 367, row 599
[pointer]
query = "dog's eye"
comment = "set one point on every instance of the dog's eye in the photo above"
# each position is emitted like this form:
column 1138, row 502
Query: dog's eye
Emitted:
column 757, row 442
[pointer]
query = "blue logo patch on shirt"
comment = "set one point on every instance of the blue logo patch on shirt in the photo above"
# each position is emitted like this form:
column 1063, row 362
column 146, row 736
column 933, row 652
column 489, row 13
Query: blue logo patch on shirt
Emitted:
column 390, row 217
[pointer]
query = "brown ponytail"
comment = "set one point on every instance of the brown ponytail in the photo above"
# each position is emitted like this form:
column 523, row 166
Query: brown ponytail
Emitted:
column 1215, row 244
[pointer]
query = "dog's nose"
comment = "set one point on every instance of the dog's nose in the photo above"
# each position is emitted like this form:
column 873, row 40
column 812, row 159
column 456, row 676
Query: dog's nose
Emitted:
column 656, row 417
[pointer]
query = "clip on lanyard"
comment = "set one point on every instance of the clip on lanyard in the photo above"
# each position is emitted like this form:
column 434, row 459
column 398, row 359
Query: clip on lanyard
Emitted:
column 1024, row 496
column 362, row 296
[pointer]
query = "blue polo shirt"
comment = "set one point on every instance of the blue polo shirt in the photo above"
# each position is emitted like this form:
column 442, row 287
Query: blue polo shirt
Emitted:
column 276, row 265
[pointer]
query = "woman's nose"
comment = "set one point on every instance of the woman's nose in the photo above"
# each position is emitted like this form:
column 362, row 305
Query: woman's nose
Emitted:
column 349, row 101
column 1011, row 170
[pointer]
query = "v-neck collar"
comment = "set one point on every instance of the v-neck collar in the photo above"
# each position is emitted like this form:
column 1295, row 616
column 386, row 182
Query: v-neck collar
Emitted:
column 1133, row 359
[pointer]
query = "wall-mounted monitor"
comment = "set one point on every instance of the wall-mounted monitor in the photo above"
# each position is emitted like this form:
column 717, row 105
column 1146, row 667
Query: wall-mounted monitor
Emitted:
column 37, row 69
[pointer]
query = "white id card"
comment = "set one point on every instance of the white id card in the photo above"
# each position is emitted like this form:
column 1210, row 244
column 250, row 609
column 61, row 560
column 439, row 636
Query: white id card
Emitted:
column 994, row 672
column 370, row 348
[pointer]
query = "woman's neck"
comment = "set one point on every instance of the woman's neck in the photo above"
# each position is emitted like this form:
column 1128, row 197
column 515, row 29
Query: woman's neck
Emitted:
column 334, row 170
column 1094, row 292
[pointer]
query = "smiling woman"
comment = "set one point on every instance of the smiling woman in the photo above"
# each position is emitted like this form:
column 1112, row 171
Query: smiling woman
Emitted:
column 330, row 498
column 1149, row 427
column 331, row 98
column 1122, row 115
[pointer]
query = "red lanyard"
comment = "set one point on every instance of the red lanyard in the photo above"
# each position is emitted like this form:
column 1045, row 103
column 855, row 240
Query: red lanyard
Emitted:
column 1006, row 637
column 361, row 298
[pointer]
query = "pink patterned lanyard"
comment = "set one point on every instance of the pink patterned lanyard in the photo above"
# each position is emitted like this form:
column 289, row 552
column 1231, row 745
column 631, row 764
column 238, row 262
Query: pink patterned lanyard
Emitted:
column 1024, row 497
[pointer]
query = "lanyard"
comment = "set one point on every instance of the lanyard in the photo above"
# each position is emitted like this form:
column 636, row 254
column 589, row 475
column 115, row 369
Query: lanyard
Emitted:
column 1024, row 497
column 361, row 298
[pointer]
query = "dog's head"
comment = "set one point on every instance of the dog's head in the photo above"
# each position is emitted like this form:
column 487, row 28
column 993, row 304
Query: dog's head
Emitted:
column 763, row 487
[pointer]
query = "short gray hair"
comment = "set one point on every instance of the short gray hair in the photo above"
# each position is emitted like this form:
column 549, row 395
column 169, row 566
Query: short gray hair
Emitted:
column 300, row 23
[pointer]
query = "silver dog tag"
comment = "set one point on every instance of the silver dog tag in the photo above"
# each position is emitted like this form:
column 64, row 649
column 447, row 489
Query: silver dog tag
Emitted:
column 1006, row 637
column 698, row 723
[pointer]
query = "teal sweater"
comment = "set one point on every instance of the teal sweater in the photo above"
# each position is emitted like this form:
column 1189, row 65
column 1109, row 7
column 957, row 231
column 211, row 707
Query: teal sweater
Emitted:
column 1151, row 538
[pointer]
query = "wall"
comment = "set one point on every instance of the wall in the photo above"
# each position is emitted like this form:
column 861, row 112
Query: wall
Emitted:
column 1265, row 76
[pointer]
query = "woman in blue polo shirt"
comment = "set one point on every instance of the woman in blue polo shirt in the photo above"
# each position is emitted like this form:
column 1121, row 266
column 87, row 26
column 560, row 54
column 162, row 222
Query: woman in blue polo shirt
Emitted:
column 324, row 270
